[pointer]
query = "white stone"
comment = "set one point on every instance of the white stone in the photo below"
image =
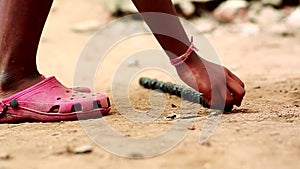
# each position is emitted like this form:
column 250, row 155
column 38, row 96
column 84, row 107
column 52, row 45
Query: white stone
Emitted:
column 5, row 156
column 132, row 63
column 272, row 2
column 187, row 7
column 205, row 25
column 269, row 15
column 293, row 20
column 87, row 26
column 227, row 10
column 253, row 11
column 113, row 6
column 249, row 29
column 83, row 149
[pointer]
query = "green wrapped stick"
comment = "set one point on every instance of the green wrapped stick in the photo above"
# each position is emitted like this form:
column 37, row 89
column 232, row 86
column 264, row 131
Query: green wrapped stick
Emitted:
column 174, row 89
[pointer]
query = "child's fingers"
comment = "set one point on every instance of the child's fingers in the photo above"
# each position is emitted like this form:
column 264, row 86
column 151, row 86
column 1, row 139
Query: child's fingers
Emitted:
column 234, row 77
column 237, row 91
column 220, row 99
column 229, row 101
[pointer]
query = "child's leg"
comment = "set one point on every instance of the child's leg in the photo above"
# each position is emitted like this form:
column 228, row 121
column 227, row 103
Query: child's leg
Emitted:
column 21, row 25
column 209, row 77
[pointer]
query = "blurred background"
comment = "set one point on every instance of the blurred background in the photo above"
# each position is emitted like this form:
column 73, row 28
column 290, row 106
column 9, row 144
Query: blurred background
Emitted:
column 236, row 28
column 278, row 16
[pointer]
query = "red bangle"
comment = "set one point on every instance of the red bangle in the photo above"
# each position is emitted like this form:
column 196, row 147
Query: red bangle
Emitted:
column 179, row 60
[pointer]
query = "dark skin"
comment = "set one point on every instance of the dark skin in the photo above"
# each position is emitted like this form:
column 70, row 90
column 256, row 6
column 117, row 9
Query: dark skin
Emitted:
column 220, row 87
column 22, row 22
column 21, row 25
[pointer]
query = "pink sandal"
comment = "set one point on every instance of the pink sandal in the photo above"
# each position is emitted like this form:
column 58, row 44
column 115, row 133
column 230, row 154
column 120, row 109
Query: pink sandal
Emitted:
column 50, row 101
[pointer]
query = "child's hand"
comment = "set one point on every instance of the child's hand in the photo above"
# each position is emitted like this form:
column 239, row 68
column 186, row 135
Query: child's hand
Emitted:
column 220, row 87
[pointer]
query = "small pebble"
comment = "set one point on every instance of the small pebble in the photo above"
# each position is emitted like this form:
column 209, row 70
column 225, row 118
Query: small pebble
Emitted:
column 207, row 144
column 83, row 149
column 293, row 20
column 186, row 7
column 87, row 26
column 287, row 106
column 171, row 116
column 5, row 156
column 192, row 127
column 173, row 105
column 136, row 155
column 214, row 113
column 55, row 134
column 274, row 133
column 132, row 63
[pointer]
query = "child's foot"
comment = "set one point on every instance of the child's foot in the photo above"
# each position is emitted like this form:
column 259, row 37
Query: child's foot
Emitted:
column 10, row 85
column 47, row 100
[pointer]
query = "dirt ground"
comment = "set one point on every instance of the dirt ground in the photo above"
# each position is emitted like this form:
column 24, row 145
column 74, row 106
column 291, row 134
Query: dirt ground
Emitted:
column 264, row 133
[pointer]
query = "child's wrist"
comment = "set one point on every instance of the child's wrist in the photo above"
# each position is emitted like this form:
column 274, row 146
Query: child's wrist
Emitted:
column 190, row 52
